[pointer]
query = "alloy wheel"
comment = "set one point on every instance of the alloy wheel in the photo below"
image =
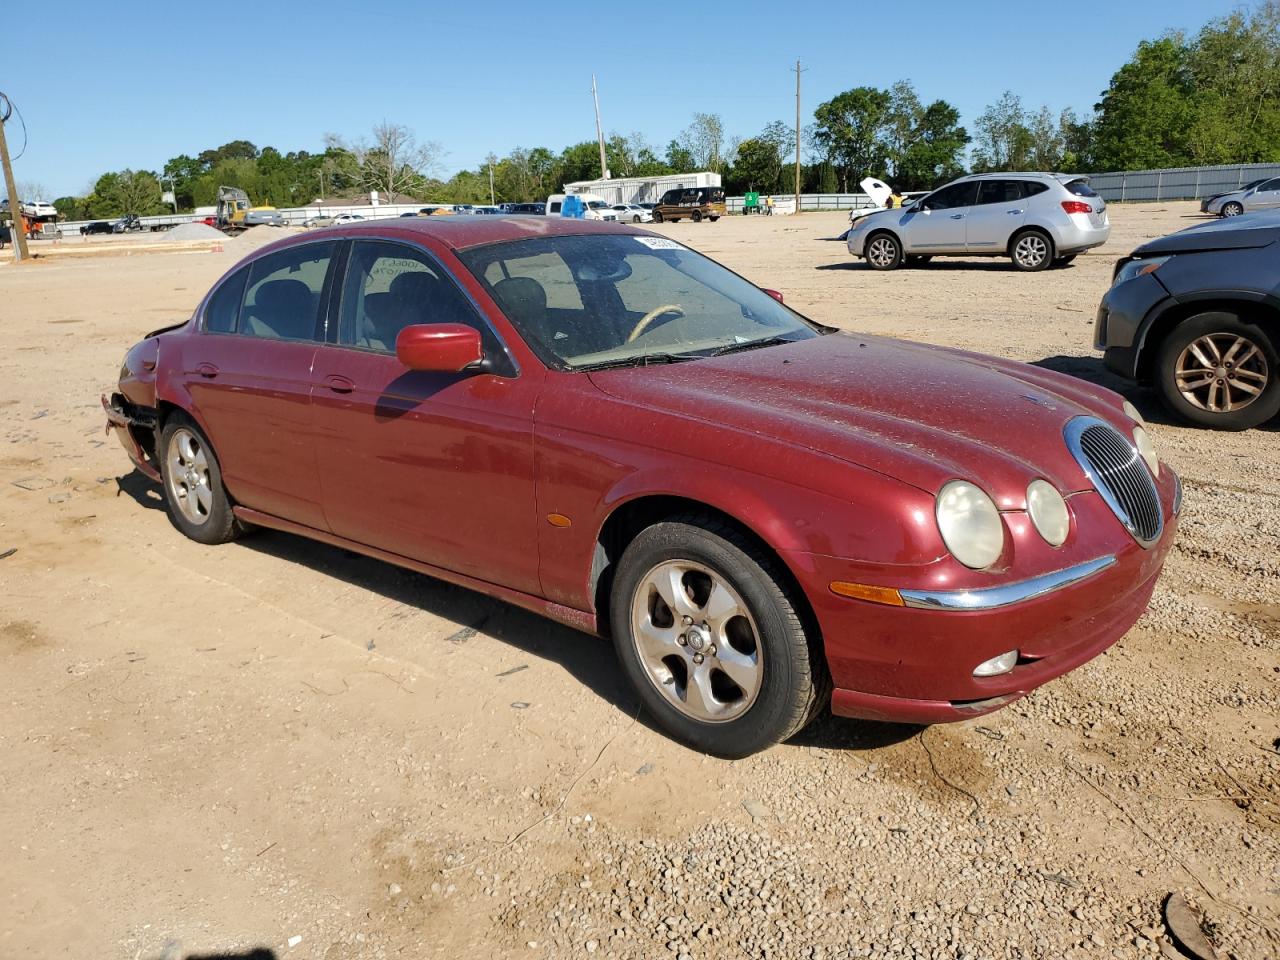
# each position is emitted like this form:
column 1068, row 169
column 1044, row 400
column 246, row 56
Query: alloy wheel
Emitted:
column 882, row 252
column 1232, row 210
column 1031, row 250
column 697, row 641
column 1221, row 372
column 187, row 474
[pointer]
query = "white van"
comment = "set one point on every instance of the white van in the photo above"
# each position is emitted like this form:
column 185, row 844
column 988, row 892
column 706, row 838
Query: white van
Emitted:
column 598, row 208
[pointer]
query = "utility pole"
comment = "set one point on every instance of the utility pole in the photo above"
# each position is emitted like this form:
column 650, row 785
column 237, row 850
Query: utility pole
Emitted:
column 490, row 158
column 798, row 72
column 15, row 203
column 604, row 167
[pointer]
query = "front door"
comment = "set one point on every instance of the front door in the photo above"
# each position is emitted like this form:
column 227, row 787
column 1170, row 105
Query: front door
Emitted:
column 936, row 224
column 1266, row 197
column 250, row 374
column 432, row 466
column 998, row 212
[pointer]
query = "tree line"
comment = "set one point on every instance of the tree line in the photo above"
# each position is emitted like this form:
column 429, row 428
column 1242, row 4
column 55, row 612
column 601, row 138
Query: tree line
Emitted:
column 1180, row 100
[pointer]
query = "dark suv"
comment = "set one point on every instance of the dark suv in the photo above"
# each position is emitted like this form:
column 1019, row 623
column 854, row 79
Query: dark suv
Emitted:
column 1197, row 315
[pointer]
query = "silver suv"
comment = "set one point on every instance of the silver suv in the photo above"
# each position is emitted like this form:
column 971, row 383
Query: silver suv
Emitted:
column 1035, row 219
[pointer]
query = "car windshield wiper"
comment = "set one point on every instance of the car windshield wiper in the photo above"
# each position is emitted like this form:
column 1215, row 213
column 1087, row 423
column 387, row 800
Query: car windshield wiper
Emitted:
column 637, row 360
column 749, row 345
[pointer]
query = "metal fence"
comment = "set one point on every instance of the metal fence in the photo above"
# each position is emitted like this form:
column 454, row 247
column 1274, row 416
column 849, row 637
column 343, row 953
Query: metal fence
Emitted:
column 1179, row 183
column 810, row 201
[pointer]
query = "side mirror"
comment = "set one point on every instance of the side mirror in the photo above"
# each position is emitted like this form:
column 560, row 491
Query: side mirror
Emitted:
column 777, row 295
column 439, row 347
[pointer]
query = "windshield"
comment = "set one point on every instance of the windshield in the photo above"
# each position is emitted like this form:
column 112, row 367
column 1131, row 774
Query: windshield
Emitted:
column 591, row 300
column 598, row 205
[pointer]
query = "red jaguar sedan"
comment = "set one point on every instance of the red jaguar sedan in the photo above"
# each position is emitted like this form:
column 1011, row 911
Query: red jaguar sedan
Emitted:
column 766, row 515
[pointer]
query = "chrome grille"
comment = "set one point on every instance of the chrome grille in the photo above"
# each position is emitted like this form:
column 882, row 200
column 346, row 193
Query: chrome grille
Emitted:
column 1119, row 474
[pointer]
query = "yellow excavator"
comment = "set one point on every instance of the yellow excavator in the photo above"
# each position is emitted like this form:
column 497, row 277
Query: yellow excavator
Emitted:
column 234, row 212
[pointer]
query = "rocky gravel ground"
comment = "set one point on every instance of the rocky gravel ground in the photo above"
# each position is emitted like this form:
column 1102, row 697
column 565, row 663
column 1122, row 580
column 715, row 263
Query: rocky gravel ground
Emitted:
column 278, row 745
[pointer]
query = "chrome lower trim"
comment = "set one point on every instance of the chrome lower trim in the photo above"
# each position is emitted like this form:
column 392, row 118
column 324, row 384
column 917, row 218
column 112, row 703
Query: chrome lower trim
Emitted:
column 992, row 598
column 1177, row 491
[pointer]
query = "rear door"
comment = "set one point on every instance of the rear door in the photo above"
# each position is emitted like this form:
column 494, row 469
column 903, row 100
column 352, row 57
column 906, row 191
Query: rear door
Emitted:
column 249, row 374
column 997, row 213
column 1266, row 197
column 937, row 224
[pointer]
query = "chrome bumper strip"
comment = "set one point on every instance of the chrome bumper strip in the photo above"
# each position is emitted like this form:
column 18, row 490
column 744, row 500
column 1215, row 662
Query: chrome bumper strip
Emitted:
column 991, row 598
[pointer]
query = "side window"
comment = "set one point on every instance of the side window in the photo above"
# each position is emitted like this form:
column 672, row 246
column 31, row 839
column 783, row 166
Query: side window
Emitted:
column 555, row 206
column 1031, row 187
column 956, row 195
column 283, row 298
column 999, row 191
column 224, row 306
column 390, row 286
column 1269, row 186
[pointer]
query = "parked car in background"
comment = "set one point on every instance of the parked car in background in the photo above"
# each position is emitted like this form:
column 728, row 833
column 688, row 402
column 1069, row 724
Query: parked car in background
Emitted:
column 534, row 209
column 632, row 213
column 1196, row 314
column 487, row 211
column 97, row 226
column 266, row 217
column 748, row 503
column 211, row 221
column 1260, row 196
column 1206, row 201
column 347, row 218
column 129, row 223
column 1035, row 219
column 692, row 203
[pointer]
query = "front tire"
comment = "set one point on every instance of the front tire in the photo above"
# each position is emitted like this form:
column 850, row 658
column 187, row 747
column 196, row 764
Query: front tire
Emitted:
column 1219, row 371
column 1232, row 209
column 697, row 216
column 884, row 252
column 193, row 491
column 710, row 639
column 657, row 216
column 1031, row 251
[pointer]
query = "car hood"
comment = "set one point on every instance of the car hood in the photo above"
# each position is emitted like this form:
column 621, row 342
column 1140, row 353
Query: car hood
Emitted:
column 1234, row 233
column 920, row 414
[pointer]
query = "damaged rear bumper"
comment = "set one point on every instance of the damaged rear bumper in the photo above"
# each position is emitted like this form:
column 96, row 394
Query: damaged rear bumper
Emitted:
column 135, row 426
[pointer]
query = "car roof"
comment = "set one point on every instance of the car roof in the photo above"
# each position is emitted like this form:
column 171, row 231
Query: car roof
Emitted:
column 461, row 232
column 1025, row 174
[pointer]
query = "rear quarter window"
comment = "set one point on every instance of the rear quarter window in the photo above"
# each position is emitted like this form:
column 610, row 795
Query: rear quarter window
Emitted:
column 1080, row 188
column 224, row 306
column 1031, row 187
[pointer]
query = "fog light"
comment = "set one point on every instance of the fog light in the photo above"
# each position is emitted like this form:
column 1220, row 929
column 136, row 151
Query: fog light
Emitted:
column 997, row 665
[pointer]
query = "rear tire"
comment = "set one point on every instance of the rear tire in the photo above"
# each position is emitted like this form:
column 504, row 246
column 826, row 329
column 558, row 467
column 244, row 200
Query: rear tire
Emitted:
column 697, row 216
column 1232, row 209
column 1031, row 251
column 883, row 252
column 748, row 674
column 1220, row 371
column 193, row 491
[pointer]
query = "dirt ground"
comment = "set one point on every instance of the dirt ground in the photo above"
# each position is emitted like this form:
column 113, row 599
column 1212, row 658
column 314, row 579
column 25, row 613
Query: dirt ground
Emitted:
column 278, row 744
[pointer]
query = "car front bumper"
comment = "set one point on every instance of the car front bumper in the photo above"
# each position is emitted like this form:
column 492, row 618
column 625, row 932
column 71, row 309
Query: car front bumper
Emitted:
column 1117, row 327
column 915, row 663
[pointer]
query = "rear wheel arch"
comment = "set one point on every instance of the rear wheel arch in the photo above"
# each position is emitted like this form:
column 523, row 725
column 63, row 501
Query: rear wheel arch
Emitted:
column 630, row 518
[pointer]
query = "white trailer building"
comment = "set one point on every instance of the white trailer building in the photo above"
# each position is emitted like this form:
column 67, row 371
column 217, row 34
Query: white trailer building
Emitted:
column 642, row 189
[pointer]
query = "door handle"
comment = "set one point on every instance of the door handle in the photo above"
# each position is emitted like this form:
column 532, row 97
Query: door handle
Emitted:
column 1015, row 213
column 339, row 384
column 957, row 216
column 207, row 370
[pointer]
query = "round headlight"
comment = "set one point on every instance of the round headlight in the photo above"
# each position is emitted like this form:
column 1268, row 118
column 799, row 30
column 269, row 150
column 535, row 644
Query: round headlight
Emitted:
column 1132, row 413
column 970, row 524
column 1048, row 512
column 1146, row 450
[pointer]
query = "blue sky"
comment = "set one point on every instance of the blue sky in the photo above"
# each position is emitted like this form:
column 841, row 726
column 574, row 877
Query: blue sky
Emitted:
column 136, row 83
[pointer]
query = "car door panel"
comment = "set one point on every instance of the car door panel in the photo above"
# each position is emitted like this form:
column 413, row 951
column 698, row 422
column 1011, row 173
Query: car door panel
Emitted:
column 437, row 467
column 937, row 223
column 999, row 212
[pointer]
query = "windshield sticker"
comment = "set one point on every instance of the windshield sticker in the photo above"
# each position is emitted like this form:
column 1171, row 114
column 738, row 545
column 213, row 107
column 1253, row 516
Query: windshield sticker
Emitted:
column 660, row 243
